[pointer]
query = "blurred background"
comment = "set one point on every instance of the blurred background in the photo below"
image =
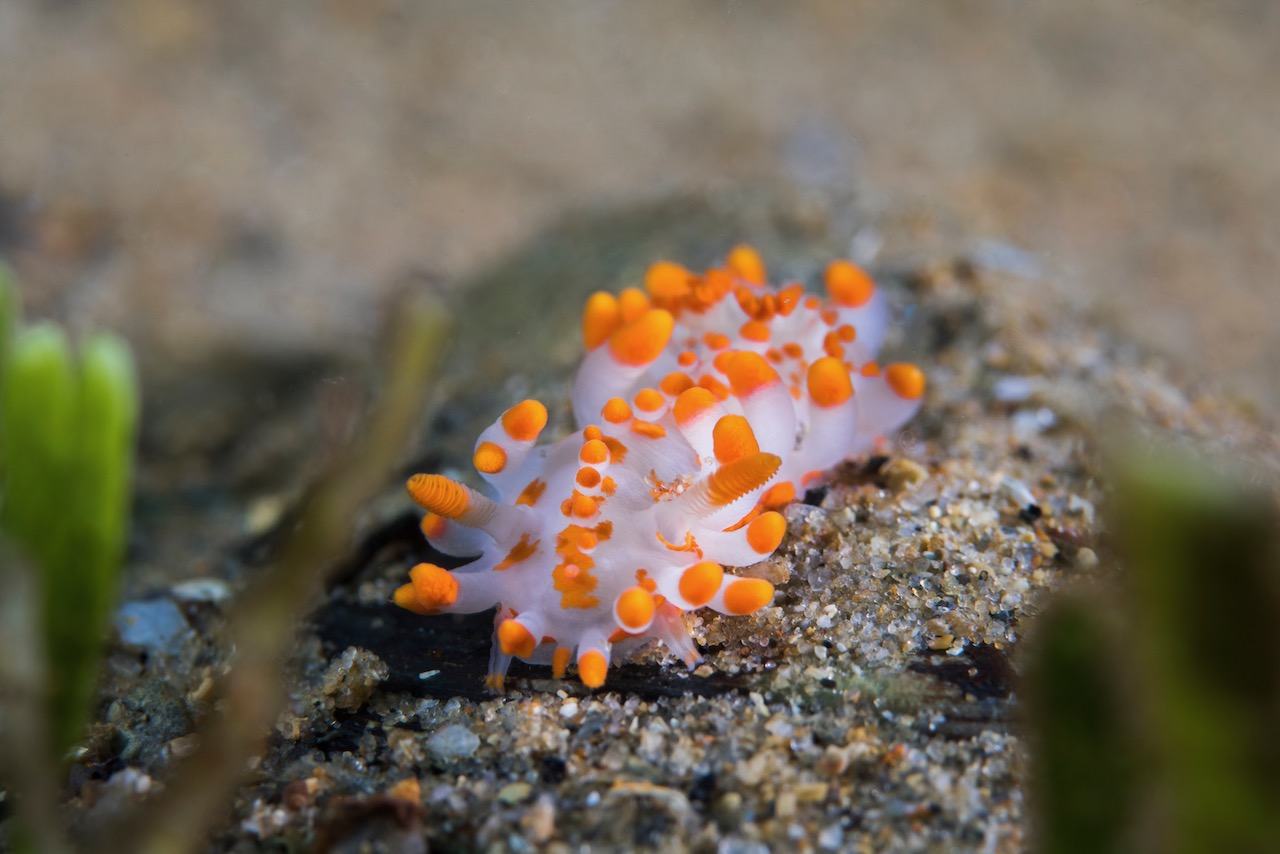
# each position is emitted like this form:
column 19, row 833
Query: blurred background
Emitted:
column 253, row 179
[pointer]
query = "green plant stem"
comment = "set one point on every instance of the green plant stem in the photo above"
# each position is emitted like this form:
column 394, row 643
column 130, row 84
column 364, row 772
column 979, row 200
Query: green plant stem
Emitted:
column 266, row 616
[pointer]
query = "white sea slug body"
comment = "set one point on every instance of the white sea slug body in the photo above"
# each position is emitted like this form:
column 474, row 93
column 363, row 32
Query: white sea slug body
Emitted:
column 705, row 401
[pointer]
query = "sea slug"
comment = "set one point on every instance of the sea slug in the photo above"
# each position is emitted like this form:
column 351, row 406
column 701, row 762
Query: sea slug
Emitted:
column 705, row 402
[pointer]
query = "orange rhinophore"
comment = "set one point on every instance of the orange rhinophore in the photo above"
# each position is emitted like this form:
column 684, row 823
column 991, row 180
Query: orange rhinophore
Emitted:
column 705, row 402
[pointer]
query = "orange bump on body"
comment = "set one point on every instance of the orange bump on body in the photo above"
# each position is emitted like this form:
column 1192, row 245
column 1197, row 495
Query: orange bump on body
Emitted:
column 617, row 450
column 489, row 458
column 648, row 430
column 730, row 482
column 634, row 609
column 687, row 358
column 600, row 318
column 433, row 526
column 524, row 421
column 439, row 494
column 718, row 282
column 676, row 383
column 692, row 403
column 560, row 661
column 667, row 281
column 642, row 340
column 848, row 284
column 643, row 579
column 616, row 411
column 747, row 595
column 699, row 583
column 434, row 587
column 587, row 477
column 515, row 639
column 749, row 372
column 713, row 385
column 522, row 550
column 649, row 400
column 765, row 532
column 407, row 599
column 870, row 369
column 716, row 340
column 632, row 302
column 745, row 263
column 532, row 492
column 792, row 350
column 594, row 452
column 584, row 506
column 905, row 379
column 755, row 330
column 789, row 299
column 779, row 494
column 829, row 383
column 732, row 439
column 592, row 668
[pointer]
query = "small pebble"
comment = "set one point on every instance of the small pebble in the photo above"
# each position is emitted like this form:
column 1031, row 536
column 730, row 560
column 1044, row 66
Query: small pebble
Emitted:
column 514, row 793
column 213, row 591
column 539, row 821
column 454, row 741
column 152, row 625
column 900, row 474
column 1012, row 389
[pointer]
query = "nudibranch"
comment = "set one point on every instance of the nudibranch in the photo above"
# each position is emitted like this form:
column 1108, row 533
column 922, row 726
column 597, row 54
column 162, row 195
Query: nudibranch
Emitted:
column 705, row 402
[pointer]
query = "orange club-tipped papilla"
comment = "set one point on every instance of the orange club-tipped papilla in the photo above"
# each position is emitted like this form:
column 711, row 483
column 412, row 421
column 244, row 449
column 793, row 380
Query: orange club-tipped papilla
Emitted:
column 515, row 639
column 745, row 263
column 747, row 595
column 848, row 284
column 432, row 588
column 601, row 317
column 592, row 668
column 700, row 582
column 525, row 421
column 634, row 609
column 906, row 380
column 643, row 339
column 765, row 532
column 829, row 383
